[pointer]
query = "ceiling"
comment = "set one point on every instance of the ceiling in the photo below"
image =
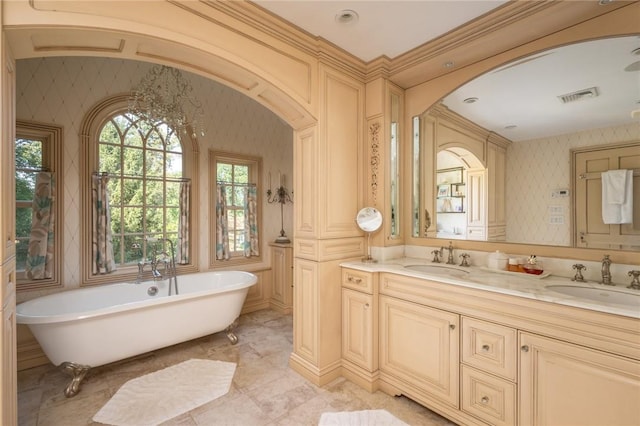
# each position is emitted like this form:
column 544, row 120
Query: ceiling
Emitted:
column 525, row 93
column 525, row 96
column 381, row 27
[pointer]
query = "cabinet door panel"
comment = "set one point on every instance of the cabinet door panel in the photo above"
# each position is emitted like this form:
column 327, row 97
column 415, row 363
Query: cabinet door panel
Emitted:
column 305, row 313
column 8, row 357
column 357, row 331
column 420, row 346
column 281, row 278
column 565, row 384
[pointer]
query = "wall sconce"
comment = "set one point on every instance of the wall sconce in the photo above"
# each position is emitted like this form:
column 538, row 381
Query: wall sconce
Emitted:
column 282, row 196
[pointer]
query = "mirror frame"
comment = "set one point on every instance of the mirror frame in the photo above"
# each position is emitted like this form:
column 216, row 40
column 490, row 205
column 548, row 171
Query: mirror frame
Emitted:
column 420, row 98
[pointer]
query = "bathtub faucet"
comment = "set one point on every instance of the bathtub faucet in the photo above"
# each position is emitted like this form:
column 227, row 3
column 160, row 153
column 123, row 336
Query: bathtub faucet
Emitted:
column 166, row 259
column 169, row 262
column 141, row 265
column 158, row 259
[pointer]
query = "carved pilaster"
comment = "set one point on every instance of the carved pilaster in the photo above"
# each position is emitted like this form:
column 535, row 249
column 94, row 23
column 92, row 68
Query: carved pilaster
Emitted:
column 374, row 136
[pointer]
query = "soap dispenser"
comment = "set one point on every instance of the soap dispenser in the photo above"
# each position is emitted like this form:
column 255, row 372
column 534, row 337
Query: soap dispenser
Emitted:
column 498, row 260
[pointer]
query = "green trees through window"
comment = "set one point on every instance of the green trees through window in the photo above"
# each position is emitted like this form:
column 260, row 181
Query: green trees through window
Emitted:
column 29, row 154
column 145, row 163
column 236, row 177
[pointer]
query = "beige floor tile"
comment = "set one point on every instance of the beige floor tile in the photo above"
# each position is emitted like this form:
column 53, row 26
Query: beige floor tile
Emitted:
column 264, row 391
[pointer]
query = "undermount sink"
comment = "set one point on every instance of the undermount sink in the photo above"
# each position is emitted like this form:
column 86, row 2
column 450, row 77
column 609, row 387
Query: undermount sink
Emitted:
column 599, row 294
column 438, row 270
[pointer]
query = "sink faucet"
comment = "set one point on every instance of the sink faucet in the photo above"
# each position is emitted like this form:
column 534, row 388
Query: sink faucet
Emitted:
column 606, row 273
column 450, row 260
column 578, row 277
column 437, row 254
column 465, row 259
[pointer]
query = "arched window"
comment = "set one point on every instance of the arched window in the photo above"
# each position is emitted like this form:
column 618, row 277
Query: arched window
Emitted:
column 144, row 164
column 148, row 172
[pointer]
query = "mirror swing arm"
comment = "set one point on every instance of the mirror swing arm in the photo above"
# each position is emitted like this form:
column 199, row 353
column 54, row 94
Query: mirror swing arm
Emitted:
column 369, row 220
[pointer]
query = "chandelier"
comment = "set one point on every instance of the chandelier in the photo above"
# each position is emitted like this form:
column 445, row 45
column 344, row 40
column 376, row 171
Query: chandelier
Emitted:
column 163, row 95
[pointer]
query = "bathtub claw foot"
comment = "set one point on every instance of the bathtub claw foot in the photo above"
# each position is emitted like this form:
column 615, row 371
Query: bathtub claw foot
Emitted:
column 230, row 334
column 78, row 373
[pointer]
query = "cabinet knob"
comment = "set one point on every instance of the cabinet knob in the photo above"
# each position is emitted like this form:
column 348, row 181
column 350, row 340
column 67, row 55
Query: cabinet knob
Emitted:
column 452, row 326
column 485, row 348
column 484, row 399
column 525, row 348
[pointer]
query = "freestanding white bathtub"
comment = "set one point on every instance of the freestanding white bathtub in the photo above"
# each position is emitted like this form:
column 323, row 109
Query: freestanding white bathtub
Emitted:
column 89, row 327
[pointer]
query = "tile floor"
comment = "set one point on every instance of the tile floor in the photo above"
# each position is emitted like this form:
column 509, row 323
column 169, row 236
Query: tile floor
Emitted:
column 265, row 391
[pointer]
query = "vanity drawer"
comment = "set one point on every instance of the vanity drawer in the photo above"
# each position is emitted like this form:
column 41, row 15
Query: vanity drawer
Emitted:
column 488, row 397
column 489, row 347
column 358, row 280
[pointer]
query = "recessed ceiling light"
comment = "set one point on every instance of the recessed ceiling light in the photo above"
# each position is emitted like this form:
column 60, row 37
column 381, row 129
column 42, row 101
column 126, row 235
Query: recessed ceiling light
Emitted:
column 633, row 67
column 347, row 16
column 604, row 2
column 470, row 100
column 448, row 64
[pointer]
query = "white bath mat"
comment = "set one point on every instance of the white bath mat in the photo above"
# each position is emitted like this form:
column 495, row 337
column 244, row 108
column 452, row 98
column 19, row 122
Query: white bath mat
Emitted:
column 360, row 418
column 157, row 397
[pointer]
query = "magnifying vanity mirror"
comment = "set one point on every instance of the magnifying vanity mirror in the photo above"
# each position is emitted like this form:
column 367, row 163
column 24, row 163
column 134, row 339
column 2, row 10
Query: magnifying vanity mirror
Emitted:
column 512, row 155
column 369, row 220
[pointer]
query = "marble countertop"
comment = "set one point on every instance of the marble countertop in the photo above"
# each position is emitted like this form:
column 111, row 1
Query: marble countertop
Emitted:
column 515, row 284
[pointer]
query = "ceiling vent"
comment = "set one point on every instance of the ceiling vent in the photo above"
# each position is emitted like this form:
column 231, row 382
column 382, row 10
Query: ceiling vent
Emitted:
column 589, row 93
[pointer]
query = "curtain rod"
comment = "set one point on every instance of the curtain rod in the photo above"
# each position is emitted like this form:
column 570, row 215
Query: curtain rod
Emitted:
column 170, row 179
column 27, row 169
column 220, row 182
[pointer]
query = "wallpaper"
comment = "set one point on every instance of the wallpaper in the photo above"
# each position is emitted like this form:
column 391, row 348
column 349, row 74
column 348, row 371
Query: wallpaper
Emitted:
column 60, row 90
column 536, row 171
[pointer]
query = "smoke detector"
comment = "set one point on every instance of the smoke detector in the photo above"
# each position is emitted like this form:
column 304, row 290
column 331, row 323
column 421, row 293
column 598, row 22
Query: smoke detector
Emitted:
column 589, row 93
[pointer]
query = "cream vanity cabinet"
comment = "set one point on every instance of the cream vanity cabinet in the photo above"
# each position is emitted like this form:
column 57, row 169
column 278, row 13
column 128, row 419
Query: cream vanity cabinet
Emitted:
column 8, row 357
column 484, row 358
column 281, row 277
column 8, row 392
column 562, row 384
column 360, row 326
column 419, row 348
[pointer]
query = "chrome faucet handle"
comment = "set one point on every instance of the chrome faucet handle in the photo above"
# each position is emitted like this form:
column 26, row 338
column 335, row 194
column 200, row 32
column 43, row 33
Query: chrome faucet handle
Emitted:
column 579, row 268
column 436, row 255
column 450, row 260
column 606, row 273
column 465, row 259
column 635, row 282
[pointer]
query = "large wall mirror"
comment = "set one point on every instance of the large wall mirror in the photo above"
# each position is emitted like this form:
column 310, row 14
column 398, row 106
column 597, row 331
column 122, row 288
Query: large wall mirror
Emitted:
column 500, row 158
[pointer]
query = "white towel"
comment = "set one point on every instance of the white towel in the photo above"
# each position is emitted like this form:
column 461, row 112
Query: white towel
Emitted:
column 617, row 196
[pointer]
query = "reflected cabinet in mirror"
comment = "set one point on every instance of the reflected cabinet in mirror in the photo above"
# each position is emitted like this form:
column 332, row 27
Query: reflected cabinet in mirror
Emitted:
column 519, row 154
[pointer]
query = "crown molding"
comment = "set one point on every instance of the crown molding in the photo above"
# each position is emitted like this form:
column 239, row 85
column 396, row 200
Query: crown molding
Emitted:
column 442, row 111
column 507, row 27
column 504, row 16
column 273, row 26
